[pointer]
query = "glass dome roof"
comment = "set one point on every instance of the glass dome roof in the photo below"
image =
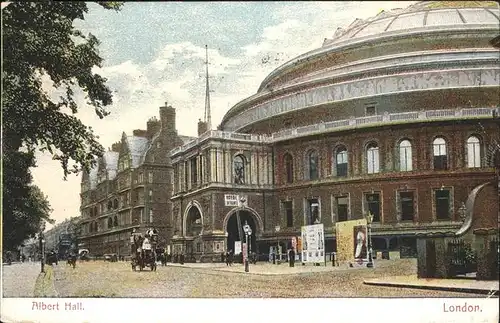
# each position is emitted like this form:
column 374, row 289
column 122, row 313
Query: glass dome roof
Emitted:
column 420, row 15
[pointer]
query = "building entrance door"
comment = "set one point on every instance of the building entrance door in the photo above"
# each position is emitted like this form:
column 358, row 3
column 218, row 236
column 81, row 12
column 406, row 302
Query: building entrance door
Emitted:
column 235, row 230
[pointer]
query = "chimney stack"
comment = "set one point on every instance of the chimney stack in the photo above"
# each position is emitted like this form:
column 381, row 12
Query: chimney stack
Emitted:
column 116, row 147
column 140, row 133
column 153, row 127
column 167, row 118
column 202, row 127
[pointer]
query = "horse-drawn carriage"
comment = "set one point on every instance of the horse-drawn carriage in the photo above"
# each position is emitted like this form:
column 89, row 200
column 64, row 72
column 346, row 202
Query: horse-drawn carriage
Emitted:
column 144, row 250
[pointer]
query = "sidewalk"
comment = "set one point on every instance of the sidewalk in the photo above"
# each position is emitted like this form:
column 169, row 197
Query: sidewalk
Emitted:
column 454, row 285
column 262, row 268
column 19, row 279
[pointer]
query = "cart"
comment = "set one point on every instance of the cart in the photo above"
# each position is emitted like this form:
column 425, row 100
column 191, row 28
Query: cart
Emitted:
column 145, row 251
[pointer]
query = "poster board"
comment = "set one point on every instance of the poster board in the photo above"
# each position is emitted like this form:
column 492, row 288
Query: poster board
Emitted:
column 237, row 247
column 313, row 243
column 348, row 248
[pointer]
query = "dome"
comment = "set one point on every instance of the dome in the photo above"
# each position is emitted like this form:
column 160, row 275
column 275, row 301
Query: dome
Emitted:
column 431, row 46
column 427, row 14
column 423, row 17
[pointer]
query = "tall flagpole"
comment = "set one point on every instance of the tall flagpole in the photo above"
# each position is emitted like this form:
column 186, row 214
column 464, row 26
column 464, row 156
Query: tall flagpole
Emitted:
column 208, row 118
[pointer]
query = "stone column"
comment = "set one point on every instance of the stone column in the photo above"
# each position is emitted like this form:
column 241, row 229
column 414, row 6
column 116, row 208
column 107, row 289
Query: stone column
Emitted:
column 199, row 180
column 228, row 165
column 253, row 167
column 213, row 164
column 183, row 176
column 187, row 170
column 221, row 177
column 268, row 165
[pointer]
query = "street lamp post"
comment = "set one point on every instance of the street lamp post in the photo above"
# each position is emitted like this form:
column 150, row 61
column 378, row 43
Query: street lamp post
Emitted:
column 369, row 220
column 248, row 232
column 42, row 252
column 277, row 229
column 42, row 245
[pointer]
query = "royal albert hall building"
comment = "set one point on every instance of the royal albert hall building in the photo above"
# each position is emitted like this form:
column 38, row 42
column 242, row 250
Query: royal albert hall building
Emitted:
column 396, row 115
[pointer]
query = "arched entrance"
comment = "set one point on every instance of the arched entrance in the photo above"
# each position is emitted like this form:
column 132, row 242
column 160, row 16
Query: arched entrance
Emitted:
column 194, row 223
column 235, row 234
column 192, row 231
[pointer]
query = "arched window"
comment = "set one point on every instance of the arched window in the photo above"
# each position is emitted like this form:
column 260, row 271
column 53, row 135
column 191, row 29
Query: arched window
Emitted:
column 95, row 211
column 110, row 205
column 115, row 204
column 341, row 161
column 473, row 152
column 373, row 159
column 439, row 153
column 312, row 159
column 110, row 223
column 115, row 221
column 405, row 156
column 288, row 161
column 239, row 169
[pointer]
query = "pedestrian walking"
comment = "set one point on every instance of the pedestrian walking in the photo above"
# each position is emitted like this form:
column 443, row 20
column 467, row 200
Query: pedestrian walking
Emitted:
column 291, row 257
column 231, row 258
column 181, row 260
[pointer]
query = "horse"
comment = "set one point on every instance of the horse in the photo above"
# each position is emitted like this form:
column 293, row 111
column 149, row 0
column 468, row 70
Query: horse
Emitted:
column 72, row 261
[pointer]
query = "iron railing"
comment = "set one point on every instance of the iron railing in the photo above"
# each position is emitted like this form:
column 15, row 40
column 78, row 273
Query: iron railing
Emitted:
column 338, row 125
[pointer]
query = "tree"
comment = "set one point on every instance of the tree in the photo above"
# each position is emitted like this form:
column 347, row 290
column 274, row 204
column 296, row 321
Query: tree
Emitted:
column 39, row 39
column 24, row 205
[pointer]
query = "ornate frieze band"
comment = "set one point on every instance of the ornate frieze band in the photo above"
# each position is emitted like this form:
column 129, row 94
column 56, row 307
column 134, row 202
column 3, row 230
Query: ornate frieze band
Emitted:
column 428, row 80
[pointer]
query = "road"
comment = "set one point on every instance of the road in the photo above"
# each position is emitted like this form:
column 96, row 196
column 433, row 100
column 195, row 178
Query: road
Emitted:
column 19, row 279
column 104, row 279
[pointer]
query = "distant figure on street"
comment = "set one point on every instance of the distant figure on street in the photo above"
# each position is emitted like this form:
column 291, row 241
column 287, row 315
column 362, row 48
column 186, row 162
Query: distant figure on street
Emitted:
column 146, row 245
column 165, row 258
column 222, row 257
column 181, row 258
column 72, row 259
column 291, row 257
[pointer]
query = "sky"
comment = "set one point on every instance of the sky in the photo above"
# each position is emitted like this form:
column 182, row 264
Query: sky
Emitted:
column 154, row 52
